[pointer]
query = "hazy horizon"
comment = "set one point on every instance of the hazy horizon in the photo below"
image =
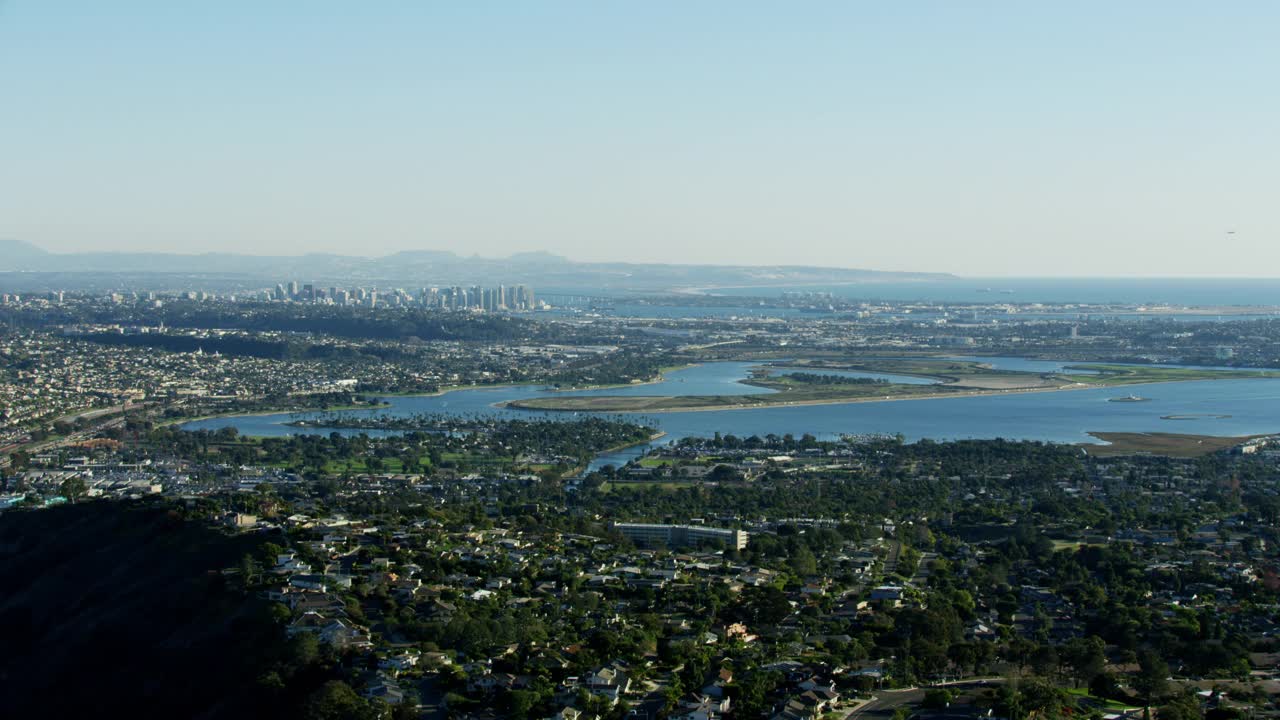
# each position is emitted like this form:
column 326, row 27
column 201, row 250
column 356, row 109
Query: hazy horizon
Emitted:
column 1002, row 140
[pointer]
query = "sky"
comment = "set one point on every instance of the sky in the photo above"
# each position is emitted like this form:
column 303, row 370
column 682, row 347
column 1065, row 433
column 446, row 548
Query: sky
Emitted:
column 979, row 138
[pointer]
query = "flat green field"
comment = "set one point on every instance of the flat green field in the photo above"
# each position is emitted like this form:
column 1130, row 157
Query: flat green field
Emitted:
column 1167, row 444
column 613, row 485
column 953, row 378
column 1137, row 374
column 787, row 395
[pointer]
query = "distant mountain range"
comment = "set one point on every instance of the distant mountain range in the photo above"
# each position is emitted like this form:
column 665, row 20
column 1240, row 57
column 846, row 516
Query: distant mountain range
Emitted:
column 417, row 268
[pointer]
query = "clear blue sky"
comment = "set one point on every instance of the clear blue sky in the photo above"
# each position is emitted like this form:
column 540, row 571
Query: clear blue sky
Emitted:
column 1023, row 138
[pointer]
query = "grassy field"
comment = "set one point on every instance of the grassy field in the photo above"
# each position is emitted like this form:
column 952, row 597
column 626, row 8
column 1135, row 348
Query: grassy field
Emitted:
column 1137, row 374
column 644, row 485
column 808, row 394
column 1168, row 444
column 1106, row 703
column 954, row 377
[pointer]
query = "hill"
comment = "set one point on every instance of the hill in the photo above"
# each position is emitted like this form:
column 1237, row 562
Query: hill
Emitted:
column 121, row 610
column 419, row 268
column 16, row 252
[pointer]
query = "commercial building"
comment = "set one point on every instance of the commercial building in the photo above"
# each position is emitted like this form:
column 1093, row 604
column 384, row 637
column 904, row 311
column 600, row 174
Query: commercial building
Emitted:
column 675, row 536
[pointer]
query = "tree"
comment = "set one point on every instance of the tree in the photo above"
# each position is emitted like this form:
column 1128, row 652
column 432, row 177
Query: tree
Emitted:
column 335, row 700
column 765, row 604
column 723, row 473
column 73, row 488
column 19, row 460
column 803, row 563
column 1103, row 685
column 1044, row 660
column 1020, row 650
column 936, row 698
column 1152, row 679
column 405, row 710
column 1042, row 697
column 1086, row 657
column 1181, row 707
column 963, row 656
column 521, row 703
column 249, row 570
column 303, row 649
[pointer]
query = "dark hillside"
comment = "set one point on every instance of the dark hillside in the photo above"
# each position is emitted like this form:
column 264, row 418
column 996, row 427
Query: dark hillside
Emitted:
column 119, row 610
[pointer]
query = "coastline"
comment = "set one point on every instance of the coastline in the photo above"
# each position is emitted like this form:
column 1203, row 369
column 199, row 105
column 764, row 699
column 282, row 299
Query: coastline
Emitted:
column 581, row 470
column 661, row 377
column 1160, row 443
column 653, row 437
column 264, row 413
column 959, row 388
column 513, row 404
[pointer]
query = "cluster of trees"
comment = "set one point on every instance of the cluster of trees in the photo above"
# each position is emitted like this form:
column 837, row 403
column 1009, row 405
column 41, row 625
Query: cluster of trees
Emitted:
column 450, row 443
column 780, row 443
column 253, row 346
column 823, row 379
column 619, row 368
column 131, row 600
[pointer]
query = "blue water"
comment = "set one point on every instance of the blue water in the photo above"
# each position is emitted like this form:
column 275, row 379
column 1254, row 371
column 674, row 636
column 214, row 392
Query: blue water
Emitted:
column 623, row 309
column 1059, row 416
column 1021, row 313
column 1173, row 291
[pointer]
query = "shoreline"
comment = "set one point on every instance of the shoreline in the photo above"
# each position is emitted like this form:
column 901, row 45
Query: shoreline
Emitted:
column 584, row 469
column 653, row 437
column 1165, row 444
column 514, row 404
column 659, row 379
column 510, row 404
column 264, row 413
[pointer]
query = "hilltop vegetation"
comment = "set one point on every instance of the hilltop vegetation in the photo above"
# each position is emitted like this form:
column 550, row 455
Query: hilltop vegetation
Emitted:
column 123, row 610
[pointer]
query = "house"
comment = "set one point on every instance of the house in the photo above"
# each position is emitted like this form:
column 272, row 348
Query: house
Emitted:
column 609, row 682
column 738, row 631
column 889, row 594
column 701, row 707
column 304, row 602
column 715, row 687
column 334, row 631
column 441, row 611
column 386, row 692
column 398, row 663
column 308, row 582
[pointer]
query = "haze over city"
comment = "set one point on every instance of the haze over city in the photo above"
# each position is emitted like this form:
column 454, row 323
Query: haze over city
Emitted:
column 581, row 360
column 1007, row 139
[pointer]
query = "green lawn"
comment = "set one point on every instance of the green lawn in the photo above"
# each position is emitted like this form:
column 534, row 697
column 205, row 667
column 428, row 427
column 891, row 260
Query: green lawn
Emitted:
column 1131, row 375
column 643, row 484
column 1083, row 694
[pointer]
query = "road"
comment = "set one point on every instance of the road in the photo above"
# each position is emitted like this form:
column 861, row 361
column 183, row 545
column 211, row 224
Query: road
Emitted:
column 885, row 702
column 76, row 437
